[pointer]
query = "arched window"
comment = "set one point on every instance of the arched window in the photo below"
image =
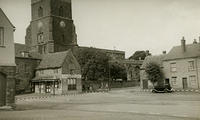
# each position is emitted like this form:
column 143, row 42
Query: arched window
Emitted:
column 61, row 12
column 40, row 37
column 40, row 12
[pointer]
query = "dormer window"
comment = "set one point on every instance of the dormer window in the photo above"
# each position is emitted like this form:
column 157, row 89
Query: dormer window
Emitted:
column 40, row 12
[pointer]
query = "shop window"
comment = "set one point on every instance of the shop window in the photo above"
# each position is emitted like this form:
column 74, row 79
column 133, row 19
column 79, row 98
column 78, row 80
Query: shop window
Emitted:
column 71, row 84
column 2, row 43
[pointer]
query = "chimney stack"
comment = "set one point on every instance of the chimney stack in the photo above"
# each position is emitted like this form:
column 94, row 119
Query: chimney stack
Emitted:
column 195, row 41
column 183, row 44
column 164, row 52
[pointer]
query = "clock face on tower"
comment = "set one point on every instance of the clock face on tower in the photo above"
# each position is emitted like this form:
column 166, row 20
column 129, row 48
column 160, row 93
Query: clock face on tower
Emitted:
column 62, row 24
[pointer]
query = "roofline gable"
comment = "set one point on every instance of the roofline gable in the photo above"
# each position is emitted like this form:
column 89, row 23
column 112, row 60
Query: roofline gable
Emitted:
column 7, row 19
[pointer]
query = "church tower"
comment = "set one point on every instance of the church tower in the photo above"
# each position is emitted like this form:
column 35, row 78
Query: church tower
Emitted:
column 51, row 28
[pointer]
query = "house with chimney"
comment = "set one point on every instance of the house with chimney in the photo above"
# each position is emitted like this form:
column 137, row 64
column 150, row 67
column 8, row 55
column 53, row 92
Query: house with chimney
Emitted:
column 7, row 61
column 181, row 66
column 58, row 73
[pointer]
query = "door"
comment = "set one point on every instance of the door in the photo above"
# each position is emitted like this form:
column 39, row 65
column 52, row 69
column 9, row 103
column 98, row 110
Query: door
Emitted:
column 2, row 89
column 185, row 85
column 145, row 84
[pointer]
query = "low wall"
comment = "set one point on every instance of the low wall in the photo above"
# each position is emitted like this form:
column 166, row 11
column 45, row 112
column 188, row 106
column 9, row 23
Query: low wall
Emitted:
column 121, row 84
column 97, row 85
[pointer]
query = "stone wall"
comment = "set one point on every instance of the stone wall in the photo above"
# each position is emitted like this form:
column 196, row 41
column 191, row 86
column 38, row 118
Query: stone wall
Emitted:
column 9, row 72
column 25, row 71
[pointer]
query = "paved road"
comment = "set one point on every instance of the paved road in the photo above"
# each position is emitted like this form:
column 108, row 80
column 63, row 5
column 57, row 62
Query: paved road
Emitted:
column 118, row 104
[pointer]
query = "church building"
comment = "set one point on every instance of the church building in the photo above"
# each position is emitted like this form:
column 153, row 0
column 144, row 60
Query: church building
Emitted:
column 51, row 30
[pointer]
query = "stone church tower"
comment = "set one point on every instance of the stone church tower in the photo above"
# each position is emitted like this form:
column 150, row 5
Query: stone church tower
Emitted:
column 51, row 28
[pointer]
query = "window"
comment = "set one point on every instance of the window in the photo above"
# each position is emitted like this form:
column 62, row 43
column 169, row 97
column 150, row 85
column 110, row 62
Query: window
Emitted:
column 192, row 80
column 72, row 71
column 173, row 67
column 40, row 37
column 61, row 12
column 17, row 68
column 2, row 43
column 25, row 68
column 24, row 54
column 63, row 38
column 191, row 65
column 57, row 84
column 174, row 81
column 71, row 84
column 44, row 48
column 40, row 12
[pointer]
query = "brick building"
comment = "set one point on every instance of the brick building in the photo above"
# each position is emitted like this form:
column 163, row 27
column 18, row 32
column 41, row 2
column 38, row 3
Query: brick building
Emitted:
column 7, row 62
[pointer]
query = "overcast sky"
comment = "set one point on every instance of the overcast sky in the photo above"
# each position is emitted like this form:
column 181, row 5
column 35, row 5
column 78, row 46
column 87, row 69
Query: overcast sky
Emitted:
column 127, row 25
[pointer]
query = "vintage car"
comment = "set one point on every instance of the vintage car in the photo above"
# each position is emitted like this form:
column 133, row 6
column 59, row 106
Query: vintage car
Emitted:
column 163, row 89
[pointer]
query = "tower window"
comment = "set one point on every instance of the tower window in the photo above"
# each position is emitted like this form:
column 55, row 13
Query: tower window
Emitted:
column 61, row 12
column 40, row 37
column 40, row 12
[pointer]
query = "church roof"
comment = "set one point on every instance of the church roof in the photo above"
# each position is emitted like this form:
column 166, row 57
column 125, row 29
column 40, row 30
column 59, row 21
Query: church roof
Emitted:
column 192, row 50
column 53, row 60
column 104, row 50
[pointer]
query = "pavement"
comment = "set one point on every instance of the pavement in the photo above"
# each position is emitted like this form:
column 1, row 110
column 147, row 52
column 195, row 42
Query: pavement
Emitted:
column 117, row 104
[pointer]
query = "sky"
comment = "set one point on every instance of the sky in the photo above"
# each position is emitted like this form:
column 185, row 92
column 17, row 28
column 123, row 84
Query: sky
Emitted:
column 127, row 25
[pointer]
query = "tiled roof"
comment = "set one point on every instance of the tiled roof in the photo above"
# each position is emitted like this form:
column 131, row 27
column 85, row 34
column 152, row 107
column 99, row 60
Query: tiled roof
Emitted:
column 53, row 60
column 192, row 50
column 155, row 59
